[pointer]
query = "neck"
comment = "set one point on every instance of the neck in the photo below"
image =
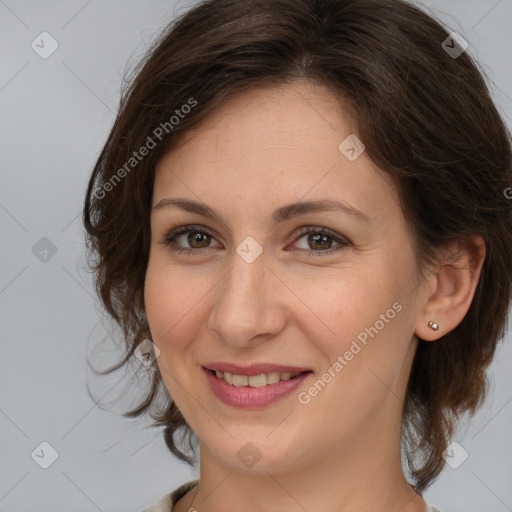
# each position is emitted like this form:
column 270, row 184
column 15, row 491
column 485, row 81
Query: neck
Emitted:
column 357, row 474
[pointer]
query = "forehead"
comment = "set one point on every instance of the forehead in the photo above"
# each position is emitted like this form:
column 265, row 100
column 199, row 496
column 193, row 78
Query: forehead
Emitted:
column 273, row 146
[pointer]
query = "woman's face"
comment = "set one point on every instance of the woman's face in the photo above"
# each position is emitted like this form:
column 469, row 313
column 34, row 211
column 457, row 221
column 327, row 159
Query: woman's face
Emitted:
column 251, row 286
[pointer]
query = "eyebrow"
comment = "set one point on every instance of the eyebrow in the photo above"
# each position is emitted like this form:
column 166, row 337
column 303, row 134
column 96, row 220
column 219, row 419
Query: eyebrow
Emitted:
column 279, row 215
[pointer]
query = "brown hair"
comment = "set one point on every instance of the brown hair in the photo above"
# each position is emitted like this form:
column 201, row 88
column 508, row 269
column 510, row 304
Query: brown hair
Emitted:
column 425, row 117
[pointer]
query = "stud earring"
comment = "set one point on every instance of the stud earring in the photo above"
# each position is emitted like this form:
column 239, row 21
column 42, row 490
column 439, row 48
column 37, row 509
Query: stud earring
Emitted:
column 433, row 325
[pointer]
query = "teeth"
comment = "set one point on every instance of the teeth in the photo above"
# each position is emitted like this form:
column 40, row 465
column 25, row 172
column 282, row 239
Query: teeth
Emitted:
column 273, row 378
column 258, row 381
column 240, row 380
column 255, row 381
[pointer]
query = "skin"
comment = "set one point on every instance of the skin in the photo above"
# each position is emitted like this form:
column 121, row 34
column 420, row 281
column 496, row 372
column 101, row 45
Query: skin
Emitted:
column 260, row 150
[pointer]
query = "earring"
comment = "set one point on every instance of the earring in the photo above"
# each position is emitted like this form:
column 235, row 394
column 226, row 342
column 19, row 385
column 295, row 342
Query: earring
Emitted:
column 433, row 325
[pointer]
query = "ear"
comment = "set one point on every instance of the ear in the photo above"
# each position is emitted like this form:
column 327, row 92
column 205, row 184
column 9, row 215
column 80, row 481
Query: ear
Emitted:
column 452, row 287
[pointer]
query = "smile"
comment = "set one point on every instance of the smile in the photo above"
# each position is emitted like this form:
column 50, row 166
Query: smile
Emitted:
column 253, row 391
column 255, row 381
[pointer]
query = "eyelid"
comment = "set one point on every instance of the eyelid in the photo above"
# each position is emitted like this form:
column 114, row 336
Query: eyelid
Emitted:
column 171, row 235
column 341, row 240
column 304, row 230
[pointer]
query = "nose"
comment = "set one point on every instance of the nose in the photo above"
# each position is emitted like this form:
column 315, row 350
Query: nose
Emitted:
column 248, row 307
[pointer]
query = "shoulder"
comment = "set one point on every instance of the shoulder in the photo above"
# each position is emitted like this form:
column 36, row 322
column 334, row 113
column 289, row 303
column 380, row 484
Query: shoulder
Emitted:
column 168, row 501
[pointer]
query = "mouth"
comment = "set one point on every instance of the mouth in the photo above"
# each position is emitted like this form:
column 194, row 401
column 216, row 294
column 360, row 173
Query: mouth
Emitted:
column 255, row 381
column 253, row 387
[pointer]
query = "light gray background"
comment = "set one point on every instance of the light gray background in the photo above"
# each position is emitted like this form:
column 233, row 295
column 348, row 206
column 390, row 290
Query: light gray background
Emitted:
column 55, row 116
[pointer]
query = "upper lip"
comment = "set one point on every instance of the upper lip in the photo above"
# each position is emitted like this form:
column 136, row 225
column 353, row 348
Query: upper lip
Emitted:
column 254, row 369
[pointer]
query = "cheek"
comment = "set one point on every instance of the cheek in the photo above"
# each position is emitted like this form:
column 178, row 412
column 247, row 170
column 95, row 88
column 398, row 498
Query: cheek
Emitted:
column 165, row 306
column 158, row 301
column 175, row 307
column 168, row 300
column 372, row 323
column 348, row 303
column 365, row 316
column 363, row 358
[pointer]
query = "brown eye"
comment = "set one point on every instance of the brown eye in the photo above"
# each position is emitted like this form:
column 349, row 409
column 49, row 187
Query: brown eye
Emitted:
column 190, row 239
column 319, row 241
column 201, row 239
column 194, row 240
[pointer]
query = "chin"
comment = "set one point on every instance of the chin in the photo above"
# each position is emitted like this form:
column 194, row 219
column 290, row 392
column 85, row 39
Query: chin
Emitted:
column 257, row 457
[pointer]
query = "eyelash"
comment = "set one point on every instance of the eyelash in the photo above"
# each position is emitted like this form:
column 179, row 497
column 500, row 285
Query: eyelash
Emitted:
column 172, row 235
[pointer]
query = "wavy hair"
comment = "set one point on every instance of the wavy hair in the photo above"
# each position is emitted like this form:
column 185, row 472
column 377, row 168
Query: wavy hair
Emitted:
column 426, row 118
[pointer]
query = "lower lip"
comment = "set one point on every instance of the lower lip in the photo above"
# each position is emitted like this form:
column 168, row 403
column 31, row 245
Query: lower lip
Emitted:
column 246, row 397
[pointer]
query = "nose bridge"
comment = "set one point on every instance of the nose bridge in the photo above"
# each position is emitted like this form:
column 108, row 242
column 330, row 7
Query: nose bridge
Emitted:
column 244, row 305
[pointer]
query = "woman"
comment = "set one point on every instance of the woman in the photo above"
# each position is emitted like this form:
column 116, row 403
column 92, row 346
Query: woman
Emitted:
column 300, row 219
